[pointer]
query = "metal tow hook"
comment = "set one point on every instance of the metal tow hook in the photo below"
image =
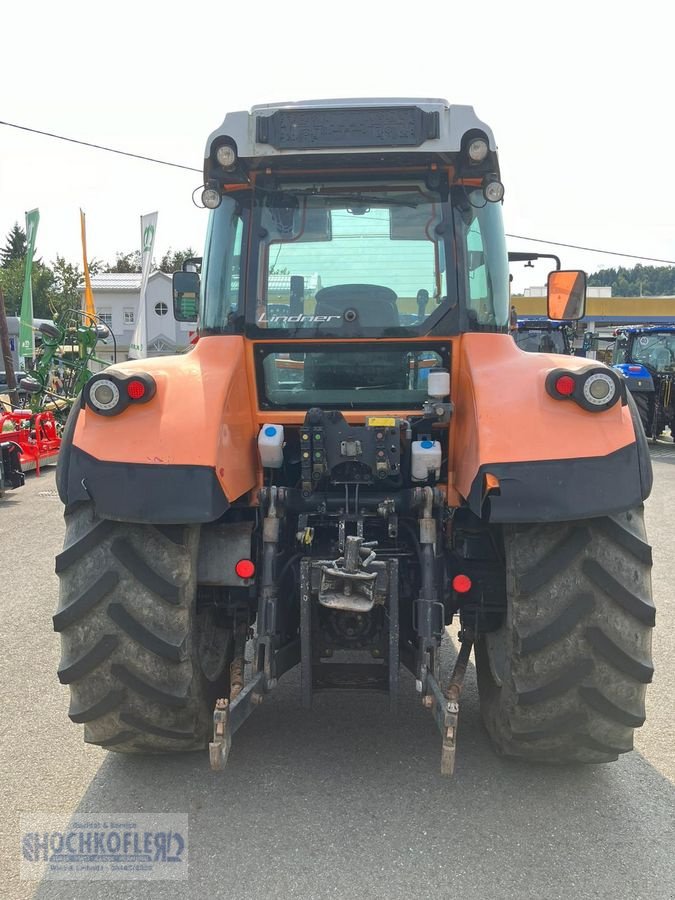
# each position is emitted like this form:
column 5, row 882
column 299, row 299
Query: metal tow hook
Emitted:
column 219, row 748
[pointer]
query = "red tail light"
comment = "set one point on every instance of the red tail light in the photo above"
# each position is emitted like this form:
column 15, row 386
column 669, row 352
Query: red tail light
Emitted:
column 462, row 584
column 245, row 568
column 136, row 389
column 565, row 385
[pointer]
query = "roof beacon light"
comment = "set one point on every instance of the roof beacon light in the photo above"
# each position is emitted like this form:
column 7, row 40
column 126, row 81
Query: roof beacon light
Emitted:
column 478, row 150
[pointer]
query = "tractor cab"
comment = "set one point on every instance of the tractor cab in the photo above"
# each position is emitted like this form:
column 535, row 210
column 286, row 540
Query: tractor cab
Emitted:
column 537, row 335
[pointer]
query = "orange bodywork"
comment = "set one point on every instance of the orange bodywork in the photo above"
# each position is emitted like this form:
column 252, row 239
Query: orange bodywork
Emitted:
column 201, row 415
column 205, row 413
column 503, row 413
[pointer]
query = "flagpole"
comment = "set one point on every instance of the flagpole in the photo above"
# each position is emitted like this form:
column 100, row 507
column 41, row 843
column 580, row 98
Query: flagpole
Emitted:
column 88, row 299
column 138, row 349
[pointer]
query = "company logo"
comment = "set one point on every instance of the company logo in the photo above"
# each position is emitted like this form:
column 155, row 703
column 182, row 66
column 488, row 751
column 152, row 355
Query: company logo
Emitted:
column 104, row 847
column 148, row 238
column 300, row 319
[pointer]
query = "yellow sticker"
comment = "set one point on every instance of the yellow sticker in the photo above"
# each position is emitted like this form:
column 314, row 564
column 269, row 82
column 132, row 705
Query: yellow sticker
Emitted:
column 381, row 422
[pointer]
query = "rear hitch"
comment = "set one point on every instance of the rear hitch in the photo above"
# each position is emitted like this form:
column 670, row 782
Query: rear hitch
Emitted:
column 445, row 707
column 219, row 748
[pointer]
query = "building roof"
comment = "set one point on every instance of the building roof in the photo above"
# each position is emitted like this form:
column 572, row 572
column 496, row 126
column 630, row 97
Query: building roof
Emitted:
column 119, row 281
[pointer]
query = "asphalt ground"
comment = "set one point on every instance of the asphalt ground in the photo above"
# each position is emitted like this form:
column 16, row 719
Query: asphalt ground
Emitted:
column 344, row 801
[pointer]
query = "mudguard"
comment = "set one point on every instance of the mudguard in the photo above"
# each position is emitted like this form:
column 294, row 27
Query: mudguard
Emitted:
column 183, row 457
column 548, row 459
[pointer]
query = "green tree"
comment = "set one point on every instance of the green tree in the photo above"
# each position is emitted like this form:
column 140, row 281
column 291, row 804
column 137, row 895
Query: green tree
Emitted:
column 638, row 281
column 15, row 248
column 173, row 260
column 65, row 290
column 125, row 262
column 42, row 278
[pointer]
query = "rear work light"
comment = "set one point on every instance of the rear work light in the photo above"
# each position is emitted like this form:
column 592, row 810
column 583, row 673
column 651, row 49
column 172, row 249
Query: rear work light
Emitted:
column 593, row 389
column 109, row 394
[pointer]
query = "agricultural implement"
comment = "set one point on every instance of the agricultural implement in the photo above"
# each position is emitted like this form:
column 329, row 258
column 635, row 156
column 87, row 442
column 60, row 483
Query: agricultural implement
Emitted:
column 36, row 435
column 67, row 351
column 370, row 459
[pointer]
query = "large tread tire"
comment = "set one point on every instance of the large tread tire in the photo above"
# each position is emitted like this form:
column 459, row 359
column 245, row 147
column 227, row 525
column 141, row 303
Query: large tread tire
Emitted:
column 143, row 668
column 564, row 679
column 642, row 404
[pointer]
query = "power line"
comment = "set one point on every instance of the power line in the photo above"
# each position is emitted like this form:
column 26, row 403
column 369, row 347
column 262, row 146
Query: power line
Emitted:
column 60, row 137
column 164, row 162
column 521, row 237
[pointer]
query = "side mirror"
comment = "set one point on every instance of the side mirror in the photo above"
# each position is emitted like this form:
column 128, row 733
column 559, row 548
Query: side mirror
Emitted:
column 185, row 296
column 566, row 295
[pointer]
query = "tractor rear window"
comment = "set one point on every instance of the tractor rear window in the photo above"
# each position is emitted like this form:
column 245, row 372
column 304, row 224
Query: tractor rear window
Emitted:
column 346, row 376
column 341, row 260
column 540, row 341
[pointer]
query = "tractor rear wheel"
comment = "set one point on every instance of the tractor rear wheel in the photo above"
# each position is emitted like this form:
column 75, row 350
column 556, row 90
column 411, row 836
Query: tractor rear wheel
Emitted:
column 642, row 404
column 564, row 678
column 143, row 666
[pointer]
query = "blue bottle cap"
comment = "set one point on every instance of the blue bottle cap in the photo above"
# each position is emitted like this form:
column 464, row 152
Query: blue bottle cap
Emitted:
column 427, row 445
column 270, row 431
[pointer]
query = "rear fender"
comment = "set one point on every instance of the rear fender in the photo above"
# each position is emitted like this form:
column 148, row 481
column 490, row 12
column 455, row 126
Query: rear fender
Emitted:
column 553, row 460
column 182, row 457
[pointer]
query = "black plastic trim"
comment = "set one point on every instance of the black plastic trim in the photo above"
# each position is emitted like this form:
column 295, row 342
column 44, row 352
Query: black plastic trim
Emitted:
column 559, row 490
column 138, row 492
column 372, row 126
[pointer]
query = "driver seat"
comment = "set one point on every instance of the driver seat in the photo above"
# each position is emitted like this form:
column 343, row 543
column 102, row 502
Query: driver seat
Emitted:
column 370, row 306
column 374, row 305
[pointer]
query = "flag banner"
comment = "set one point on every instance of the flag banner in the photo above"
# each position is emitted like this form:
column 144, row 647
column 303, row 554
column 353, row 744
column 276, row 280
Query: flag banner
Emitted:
column 138, row 348
column 26, row 333
column 88, row 300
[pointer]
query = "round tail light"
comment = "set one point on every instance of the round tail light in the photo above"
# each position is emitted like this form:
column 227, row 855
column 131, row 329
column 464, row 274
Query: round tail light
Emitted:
column 245, row 568
column 462, row 584
column 565, row 385
column 136, row 389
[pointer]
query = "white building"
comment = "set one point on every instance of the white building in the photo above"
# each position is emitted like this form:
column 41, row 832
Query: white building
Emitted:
column 117, row 301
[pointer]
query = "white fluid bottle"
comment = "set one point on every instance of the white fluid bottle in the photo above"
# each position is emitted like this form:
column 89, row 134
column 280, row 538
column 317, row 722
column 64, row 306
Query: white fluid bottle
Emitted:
column 271, row 446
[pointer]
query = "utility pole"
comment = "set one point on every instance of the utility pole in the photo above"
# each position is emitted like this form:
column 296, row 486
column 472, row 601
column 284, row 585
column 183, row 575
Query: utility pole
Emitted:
column 6, row 352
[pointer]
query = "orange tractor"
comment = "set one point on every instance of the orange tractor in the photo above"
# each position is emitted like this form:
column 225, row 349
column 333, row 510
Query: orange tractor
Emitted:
column 353, row 456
